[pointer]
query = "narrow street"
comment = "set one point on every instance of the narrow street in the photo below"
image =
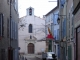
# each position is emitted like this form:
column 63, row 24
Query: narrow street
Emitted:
column 36, row 29
column 36, row 58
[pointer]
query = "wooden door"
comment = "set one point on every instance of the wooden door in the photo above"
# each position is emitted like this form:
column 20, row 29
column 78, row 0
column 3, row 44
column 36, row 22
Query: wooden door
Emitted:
column 30, row 48
column 78, row 43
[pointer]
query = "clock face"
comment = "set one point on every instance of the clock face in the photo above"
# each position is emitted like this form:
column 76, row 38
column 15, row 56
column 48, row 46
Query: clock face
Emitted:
column 30, row 11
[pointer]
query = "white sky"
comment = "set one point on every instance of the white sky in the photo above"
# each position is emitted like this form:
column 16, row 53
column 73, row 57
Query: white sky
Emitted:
column 41, row 7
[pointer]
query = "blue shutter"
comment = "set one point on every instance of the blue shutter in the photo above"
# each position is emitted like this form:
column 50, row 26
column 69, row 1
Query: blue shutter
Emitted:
column 65, row 27
column 62, row 2
column 15, row 31
column 56, row 34
column 62, row 29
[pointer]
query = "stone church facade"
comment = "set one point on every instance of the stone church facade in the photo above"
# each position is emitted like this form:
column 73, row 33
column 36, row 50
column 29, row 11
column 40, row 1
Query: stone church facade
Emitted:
column 31, row 35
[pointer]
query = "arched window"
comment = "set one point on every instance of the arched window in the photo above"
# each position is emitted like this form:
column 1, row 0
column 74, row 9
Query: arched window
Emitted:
column 30, row 48
column 30, row 28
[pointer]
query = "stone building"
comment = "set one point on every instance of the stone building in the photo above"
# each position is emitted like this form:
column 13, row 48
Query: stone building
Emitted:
column 8, row 15
column 70, row 30
column 76, row 13
column 31, row 35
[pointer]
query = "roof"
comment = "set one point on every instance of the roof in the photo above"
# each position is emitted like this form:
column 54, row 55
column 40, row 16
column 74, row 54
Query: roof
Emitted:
column 51, row 10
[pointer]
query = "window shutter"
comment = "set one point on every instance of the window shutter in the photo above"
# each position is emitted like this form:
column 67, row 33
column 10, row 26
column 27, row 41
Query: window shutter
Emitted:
column 15, row 31
column 62, row 29
column 0, row 25
column 65, row 26
column 11, row 27
column 56, row 35
column 69, row 53
column 62, row 2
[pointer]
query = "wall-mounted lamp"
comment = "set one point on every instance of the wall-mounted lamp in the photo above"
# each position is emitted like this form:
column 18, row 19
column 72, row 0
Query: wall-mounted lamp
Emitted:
column 58, row 20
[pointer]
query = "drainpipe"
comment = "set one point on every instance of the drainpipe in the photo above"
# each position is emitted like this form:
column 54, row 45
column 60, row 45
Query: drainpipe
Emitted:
column 10, row 53
column 66, row 30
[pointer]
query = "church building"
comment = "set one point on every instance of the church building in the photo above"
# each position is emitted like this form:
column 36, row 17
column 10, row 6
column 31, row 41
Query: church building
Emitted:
column 31, row 34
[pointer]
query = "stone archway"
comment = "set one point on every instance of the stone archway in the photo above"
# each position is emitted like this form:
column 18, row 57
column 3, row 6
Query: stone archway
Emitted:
column 30, row 48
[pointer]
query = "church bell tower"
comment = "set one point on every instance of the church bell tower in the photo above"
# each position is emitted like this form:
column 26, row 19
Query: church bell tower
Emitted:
column 30, row 11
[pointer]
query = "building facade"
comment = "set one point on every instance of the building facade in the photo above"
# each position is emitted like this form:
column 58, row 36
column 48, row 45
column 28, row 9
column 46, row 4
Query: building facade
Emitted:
column 31, row 35
column 63, row 28
column 70, row 30
column 8, row 13
column 51, row 22
column 76, row 13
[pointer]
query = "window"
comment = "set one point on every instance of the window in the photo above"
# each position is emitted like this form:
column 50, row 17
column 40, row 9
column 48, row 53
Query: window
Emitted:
column 62, row 2
column 69, row 24
column 30, row 11
column 8, row 1
column 72, row 31
column 72, row 20
column 1, row 25
column 8, row 27
column 69, row 16
column 30, row 37
column 58, row 34
column 69, row 20
column 30, row 28
column 55, row 34
column 55, row 19
column 3, row 54
column 14, row 3
column 69, row 33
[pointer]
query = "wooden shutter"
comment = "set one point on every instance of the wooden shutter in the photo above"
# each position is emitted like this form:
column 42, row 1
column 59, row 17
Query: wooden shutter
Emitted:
column 16, row 31
column 8, row 27
column 0, row 25
column 69, row 53
column 11, row 28
column 3, row 54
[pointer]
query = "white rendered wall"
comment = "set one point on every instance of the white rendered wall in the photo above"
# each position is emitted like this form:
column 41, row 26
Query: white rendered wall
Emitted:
column 38, row 32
